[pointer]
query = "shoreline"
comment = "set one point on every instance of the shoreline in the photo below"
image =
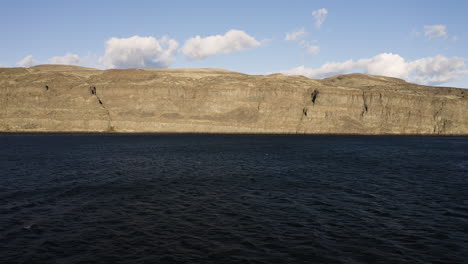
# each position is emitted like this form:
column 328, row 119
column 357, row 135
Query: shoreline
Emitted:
column 88, row 133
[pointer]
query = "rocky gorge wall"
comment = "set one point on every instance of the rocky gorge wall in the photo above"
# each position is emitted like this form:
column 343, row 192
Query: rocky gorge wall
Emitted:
column 53, row 98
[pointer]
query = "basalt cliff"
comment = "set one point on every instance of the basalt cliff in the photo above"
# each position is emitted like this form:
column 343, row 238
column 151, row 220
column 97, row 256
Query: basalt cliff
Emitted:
column 54, row 98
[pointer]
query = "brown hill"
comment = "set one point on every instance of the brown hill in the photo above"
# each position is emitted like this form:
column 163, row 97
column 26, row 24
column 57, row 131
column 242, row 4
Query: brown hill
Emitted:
column 61, row 98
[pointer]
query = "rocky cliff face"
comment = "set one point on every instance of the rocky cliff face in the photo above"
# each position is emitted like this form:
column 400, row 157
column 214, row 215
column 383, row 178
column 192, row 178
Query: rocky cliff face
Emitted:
column 54, row 98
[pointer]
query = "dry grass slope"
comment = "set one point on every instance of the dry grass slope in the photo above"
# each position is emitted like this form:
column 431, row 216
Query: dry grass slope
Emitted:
column 63, row 98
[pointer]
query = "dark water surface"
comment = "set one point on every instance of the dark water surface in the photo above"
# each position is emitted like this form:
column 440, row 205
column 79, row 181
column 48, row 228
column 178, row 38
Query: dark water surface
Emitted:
column 233, row 199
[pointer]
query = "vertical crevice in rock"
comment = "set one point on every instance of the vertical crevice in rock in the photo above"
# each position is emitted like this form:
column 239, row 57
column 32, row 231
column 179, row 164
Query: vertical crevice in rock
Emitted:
column 439, row 110
column 7, row 95
column 365, row 107
column 305, row 109
column 46, row 87
column 314, row 96
column 439, row 124
column 93, row 91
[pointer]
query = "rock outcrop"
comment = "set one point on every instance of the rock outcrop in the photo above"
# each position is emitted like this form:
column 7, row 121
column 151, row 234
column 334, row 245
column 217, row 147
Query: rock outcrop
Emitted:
column 53, row 98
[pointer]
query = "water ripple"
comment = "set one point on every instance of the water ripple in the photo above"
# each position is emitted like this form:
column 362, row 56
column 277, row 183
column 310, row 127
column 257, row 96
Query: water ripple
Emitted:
column 233, row 199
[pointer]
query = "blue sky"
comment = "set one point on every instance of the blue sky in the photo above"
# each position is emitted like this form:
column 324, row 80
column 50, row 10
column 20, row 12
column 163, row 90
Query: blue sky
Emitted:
column 421, row 41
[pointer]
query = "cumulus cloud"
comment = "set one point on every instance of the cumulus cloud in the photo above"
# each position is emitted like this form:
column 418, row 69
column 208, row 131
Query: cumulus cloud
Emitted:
column 68, row 59
column 437, row 70
column 27, row 61
column 295, row 35
column 310, row 48
column 431, row 70
column 435, row 31
column 197, row 48
column 139, row 52
column 319, row 16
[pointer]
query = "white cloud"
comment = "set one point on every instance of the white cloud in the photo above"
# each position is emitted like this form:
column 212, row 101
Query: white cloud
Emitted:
column 309, row 48
column 27, row 61
column 319, row 16
column 68, row 59
column 435, row 31
column 295, row 35
column 197, row 48
column 437, row 70
column 139, row 52
column 431, row 70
